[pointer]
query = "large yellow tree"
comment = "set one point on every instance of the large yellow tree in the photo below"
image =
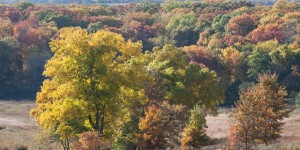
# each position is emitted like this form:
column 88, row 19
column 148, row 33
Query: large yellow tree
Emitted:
column 83, row 82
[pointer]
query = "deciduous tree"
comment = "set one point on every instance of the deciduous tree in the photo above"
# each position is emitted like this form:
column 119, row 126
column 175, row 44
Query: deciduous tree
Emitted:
column 83, row 86
column 161, row 126
column 182, row 29
column 194, row 135
column 267, row 32
column 259, row 113
column 6, row 28
column 242, row 25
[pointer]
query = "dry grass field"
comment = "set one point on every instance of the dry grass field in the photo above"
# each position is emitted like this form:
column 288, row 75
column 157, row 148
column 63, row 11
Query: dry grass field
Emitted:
column 18, row 130
column 290, row 140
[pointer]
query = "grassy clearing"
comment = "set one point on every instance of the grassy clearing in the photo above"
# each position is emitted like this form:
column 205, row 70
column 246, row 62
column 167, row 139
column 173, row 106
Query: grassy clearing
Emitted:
column 18, row 130
column 290, row 140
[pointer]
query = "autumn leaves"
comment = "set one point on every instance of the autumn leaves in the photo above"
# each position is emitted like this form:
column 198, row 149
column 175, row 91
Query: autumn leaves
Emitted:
column 100, row 82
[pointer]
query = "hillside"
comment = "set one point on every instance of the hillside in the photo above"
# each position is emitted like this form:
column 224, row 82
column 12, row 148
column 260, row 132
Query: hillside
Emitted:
column 150, row 75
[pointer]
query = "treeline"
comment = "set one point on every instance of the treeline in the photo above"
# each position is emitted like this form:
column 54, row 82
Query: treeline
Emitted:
column 237, row 40
column 263, row 2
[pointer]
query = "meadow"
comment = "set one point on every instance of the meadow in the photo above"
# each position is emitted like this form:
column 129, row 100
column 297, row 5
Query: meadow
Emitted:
column 18, row 130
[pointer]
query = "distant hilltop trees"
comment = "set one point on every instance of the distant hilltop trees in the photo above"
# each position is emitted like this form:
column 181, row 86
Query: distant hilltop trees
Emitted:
column 264, row 2
column 81, row 1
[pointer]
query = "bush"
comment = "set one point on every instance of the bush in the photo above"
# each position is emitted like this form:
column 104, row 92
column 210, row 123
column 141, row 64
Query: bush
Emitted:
column 297, row 100
column 22, row 148
column 89, row 141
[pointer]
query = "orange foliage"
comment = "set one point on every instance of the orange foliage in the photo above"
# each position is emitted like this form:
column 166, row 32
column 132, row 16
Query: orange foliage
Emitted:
column 29, row 33
column 242, row 24
column 230, row 39
column 152, row 127
column 89, row 141
column 258, row 115
column 199, row 55
column 265, row 33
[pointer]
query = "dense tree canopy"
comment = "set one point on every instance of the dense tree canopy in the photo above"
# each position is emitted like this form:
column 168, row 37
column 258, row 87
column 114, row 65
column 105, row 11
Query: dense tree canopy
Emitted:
column 124, row 69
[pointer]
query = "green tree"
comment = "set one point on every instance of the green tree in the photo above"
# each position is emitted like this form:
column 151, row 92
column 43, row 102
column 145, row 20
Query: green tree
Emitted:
column 146, row 6
column 166, row 76
column 297, row 99
column 11, row 65
column 93, row 27
column 194, row 135
column 170, row 5
column 182, row 29
column 48, row 15
column 180, row 82
column 23, row 5
column 259, row 61
column 219, row 22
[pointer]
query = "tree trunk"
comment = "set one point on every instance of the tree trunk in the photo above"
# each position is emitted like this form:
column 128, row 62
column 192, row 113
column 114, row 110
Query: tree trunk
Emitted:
column 102, row 121
column 97, row 116
column 65, row 144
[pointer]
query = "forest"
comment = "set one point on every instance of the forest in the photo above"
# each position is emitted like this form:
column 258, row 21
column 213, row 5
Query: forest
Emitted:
column 145, row 75
column 122, row 2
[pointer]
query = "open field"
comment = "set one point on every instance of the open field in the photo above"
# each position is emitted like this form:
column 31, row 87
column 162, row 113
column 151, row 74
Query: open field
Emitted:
column 18, row 129
column 290, row 140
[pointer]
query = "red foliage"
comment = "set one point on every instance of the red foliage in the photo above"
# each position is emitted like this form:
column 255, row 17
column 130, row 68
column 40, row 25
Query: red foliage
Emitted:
column 64, row 11
column 10, row 12
column 136, row 31
column 199, row 55
column 152, row 31
column 242, row 24
column 28, row 33
column 93, row 19
column 230, row 39
column 23, row 32
column 265, row 33
column 142, row 17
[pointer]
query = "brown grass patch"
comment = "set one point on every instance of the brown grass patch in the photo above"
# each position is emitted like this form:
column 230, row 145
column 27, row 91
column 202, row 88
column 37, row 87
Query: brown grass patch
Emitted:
column 218, row 128
column 17, row 128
